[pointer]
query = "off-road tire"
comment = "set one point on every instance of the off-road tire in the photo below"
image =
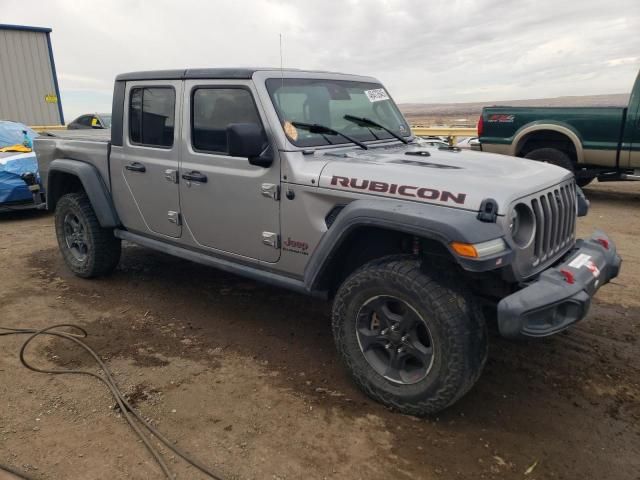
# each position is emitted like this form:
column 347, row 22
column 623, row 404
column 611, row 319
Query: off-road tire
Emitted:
column 102, row 247
column 558, row 158
column 455, row 322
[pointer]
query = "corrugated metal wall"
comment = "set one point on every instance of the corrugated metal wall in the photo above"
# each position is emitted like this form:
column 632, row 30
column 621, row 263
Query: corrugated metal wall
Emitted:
column 27, row 82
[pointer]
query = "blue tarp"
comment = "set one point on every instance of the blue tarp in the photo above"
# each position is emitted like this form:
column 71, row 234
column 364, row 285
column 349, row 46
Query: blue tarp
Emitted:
column 12, row 167
column 13, row 164
column 11, row 133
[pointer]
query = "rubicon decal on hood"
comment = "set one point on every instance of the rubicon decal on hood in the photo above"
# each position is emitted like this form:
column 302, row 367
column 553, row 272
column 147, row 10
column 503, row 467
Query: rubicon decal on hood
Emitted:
column 396, row 189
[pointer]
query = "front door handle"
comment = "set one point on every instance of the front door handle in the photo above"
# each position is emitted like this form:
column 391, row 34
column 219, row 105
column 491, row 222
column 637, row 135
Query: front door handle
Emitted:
column 195, row 176
column 136, row 167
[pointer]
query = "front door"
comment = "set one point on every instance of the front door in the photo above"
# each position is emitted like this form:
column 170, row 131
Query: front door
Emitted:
column 149, row 162
column 227, row 204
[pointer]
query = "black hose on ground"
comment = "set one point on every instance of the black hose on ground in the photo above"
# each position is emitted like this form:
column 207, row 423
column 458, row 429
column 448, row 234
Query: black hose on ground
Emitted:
column 14, row 473
column 107, row 378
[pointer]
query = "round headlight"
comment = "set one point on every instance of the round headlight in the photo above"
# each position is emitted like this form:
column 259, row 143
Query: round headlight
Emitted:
column 522, row 225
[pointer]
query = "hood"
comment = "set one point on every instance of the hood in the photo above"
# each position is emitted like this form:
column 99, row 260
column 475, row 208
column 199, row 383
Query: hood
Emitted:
column 454, row 178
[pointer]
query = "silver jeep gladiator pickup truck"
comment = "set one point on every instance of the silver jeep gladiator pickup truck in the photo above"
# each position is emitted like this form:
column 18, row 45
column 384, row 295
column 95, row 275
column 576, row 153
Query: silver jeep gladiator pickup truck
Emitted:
column 312, row 181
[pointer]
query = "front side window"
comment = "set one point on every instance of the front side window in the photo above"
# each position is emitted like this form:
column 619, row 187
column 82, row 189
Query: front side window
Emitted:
column 213, row 110
column 151, row 116
column 326, row 102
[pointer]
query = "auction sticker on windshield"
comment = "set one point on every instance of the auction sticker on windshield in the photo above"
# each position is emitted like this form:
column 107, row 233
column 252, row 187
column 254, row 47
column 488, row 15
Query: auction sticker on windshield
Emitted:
column 376, row 95
column 291, row 131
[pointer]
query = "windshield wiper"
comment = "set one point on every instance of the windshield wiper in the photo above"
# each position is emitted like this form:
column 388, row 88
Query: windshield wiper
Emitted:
column 322, row 130
column 366, row 122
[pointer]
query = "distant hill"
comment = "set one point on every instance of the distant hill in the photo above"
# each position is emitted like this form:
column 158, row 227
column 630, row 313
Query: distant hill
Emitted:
column 467, row 113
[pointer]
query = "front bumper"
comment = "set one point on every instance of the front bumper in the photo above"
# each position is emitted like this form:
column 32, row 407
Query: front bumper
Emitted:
column 561, row 295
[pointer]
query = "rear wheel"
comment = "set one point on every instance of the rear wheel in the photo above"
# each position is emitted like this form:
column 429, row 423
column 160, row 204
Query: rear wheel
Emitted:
column 88, row 249
column 584, row 181
column 558, row 158
column 411, row 342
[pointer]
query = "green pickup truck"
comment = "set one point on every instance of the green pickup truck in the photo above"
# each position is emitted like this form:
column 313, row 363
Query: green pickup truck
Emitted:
column 593, row 142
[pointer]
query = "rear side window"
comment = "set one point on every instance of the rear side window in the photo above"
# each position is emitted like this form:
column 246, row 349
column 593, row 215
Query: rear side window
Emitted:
column 213, row 110
column 85, row 121
column 151, row 116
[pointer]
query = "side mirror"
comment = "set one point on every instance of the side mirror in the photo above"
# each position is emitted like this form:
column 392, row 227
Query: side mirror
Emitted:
column 248, row 140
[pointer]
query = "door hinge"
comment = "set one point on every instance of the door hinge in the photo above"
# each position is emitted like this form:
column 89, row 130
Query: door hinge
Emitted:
column 171, row 175
column 271, row 239
column 270, row 190
column 174, row 217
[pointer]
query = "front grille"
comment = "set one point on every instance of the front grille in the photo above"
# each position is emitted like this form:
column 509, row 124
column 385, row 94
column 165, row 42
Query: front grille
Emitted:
column 555, row 213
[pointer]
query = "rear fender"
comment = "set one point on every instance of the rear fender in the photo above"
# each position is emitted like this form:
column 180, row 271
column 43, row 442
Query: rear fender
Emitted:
column 92, row 183
column 539, row 126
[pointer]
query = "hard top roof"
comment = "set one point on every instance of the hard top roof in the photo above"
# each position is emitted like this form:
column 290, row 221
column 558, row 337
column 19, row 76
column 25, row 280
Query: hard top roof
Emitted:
column 209, row 73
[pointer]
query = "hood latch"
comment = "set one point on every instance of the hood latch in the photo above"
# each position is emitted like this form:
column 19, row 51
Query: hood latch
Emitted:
column 488, row 211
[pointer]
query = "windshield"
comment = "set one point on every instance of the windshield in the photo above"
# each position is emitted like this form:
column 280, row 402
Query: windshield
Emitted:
column 326, row 102
column 106, row 120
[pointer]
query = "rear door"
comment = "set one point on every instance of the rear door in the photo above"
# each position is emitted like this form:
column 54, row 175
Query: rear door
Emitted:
column 227, row 204
column 147, row 169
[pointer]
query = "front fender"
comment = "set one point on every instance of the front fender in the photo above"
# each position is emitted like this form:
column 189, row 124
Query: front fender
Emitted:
column 436, row 222
column 93, row 185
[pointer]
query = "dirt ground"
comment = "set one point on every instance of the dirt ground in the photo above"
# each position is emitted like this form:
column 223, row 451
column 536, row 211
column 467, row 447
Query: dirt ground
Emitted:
column 246, row 378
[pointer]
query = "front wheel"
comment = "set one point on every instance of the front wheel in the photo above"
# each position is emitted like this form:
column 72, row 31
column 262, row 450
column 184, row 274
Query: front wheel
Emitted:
column 412, row 342
column 88, row 249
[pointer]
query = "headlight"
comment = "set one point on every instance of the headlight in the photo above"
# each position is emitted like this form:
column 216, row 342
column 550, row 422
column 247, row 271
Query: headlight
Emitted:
column 522, row 225
column 479, row 250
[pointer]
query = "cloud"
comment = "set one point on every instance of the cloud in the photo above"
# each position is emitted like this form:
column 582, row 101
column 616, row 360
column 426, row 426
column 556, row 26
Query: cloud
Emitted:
column 435, row 51
column 69, row 81
column 623, row 61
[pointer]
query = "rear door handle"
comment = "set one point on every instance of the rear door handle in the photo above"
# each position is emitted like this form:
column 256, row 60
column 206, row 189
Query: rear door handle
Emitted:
column 195, row 176
column 136, row 167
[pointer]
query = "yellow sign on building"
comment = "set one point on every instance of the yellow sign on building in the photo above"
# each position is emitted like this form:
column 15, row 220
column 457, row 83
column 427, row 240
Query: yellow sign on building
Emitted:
column 51, row 98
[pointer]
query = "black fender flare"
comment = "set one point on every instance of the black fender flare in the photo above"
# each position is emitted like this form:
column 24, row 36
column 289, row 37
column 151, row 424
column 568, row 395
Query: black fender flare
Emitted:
column 93, row 185
column 435, row 222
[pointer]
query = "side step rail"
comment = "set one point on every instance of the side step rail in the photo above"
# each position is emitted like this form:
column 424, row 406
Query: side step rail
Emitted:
column 266, row 276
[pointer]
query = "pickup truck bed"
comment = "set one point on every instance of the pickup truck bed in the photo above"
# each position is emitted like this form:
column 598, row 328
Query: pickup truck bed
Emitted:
column 97, row 135
column 593, row 142
column 91, row 145
column 600, row 127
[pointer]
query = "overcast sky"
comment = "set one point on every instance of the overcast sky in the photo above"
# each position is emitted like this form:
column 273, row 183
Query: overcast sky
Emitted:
column 423, row 50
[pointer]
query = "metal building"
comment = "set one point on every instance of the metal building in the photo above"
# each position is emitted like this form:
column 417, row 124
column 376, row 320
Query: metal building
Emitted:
column 29, row 90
